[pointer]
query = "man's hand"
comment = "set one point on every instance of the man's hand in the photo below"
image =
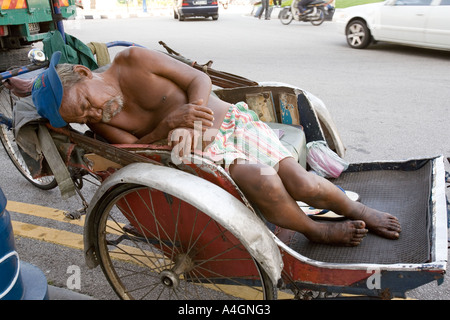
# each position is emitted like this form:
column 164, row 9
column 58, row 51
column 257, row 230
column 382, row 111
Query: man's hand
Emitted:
column 191, row 114
column 20, row 87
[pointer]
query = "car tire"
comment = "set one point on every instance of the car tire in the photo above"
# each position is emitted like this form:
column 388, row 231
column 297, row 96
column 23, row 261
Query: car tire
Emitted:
column 215, row 17
column 180, row 17
column 358, row 34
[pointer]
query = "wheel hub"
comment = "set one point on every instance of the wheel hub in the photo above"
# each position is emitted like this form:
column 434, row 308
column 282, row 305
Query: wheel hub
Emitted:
column 171, row 277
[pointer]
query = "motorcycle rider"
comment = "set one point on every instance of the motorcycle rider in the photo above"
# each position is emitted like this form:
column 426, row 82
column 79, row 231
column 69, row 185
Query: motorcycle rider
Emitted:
column 302, row 4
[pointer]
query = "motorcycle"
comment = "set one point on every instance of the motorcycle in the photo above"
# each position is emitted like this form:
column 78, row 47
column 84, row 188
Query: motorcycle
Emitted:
column 316, row 13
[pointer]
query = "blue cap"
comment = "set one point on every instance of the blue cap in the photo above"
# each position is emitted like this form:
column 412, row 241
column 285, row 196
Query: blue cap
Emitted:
column 47, row 93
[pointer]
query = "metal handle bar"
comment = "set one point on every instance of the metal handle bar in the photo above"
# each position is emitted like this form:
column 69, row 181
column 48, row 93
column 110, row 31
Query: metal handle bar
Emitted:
column 122, row 44
column 21, row 70
column 31, row 67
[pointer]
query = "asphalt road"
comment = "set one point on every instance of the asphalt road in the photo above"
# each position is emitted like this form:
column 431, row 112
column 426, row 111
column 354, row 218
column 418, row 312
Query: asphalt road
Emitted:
column 389, row 103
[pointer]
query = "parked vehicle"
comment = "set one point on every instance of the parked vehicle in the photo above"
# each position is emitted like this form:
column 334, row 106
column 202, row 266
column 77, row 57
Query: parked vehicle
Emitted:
column 421, row 23
column 25, row 22
column 316, row 13
column 196, row 8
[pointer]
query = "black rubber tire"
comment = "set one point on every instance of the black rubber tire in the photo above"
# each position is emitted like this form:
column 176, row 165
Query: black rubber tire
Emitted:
column 12, row 149
column 358, row 34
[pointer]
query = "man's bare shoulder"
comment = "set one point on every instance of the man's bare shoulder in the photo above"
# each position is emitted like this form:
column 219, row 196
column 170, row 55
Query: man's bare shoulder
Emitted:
column 133, row 55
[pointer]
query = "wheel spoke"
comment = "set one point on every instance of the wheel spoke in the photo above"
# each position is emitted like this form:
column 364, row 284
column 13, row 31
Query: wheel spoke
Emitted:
column 144, row 253
column 158, row 225
column 358, row 35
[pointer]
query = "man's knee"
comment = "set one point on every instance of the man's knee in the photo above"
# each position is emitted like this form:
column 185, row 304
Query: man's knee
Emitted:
column 249, row 172
column 303, row 185
column 253, row 183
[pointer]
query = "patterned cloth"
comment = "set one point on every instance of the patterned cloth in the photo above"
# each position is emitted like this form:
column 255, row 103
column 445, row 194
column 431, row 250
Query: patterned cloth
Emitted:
column 243, row 136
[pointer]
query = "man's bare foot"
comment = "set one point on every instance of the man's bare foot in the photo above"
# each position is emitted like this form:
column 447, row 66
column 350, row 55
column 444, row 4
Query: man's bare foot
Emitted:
column 348, row 233
column 380, row 223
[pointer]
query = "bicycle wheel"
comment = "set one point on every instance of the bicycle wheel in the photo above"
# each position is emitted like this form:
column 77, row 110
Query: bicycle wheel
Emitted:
column 12, row 149
column 286, row 16
column 153, row 245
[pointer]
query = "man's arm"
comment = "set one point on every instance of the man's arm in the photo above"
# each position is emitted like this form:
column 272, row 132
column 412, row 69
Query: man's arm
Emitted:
column 20, row 87
column 183, row 117
column 189, row 115
column 196, row 84
column 112, row 134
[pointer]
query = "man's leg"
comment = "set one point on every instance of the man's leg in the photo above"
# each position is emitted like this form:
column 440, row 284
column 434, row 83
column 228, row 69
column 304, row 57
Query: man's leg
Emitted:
column 264, row 188
column 321, row 193
column 300, row 7
column 267, row 16
column 265, row 5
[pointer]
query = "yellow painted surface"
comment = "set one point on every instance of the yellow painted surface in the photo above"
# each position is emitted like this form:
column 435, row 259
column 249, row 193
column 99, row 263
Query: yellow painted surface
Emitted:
column 75, row 241
column 60, row 237
column 42, row 212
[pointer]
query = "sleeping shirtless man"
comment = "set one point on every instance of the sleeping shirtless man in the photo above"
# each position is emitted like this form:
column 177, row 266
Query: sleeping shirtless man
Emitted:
column 144, row 96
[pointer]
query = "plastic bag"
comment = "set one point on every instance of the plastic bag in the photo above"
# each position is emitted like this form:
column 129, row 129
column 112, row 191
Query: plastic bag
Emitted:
column 324, row 161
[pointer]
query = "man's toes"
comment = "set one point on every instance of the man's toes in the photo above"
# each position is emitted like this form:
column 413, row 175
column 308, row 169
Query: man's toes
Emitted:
column 389, row 234
column 395, row 235
column 393, row 227
column 394, row 224
column 361, row 233
column 359, row 224
column 356, row 241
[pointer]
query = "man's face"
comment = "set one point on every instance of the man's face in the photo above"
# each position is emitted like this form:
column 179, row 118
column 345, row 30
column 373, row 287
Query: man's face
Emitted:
column 90, row 102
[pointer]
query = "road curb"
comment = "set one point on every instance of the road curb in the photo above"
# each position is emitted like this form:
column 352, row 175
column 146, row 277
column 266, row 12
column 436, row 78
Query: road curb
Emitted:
column 117, row 14
column 91, row 14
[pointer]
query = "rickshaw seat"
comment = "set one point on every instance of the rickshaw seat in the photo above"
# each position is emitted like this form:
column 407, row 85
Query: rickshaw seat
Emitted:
column 293, row 138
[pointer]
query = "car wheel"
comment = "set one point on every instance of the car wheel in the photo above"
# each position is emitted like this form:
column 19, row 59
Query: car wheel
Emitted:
column 358, row 35
column 215, row 17
column 180, row 17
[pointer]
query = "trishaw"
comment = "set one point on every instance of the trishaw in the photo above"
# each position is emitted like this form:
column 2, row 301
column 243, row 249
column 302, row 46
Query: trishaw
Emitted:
column 165, row 229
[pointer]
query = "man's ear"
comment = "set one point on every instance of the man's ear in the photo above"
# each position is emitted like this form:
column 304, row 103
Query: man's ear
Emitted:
column 83, row 71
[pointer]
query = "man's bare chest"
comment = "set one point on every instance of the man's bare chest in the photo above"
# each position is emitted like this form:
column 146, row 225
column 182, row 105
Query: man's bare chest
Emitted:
column 141, row 119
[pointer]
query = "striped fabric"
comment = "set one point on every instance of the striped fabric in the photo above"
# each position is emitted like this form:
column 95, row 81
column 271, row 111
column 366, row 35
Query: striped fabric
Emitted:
column 13, row 4
column 243, row 136
column 64, row 3
column 22, row 4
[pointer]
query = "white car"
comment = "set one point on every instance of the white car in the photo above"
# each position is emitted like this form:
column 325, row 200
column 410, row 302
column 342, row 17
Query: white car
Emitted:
column 421, row 23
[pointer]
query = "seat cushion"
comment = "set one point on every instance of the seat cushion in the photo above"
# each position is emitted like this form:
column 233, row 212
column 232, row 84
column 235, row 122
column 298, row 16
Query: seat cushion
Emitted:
column 293, row 138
